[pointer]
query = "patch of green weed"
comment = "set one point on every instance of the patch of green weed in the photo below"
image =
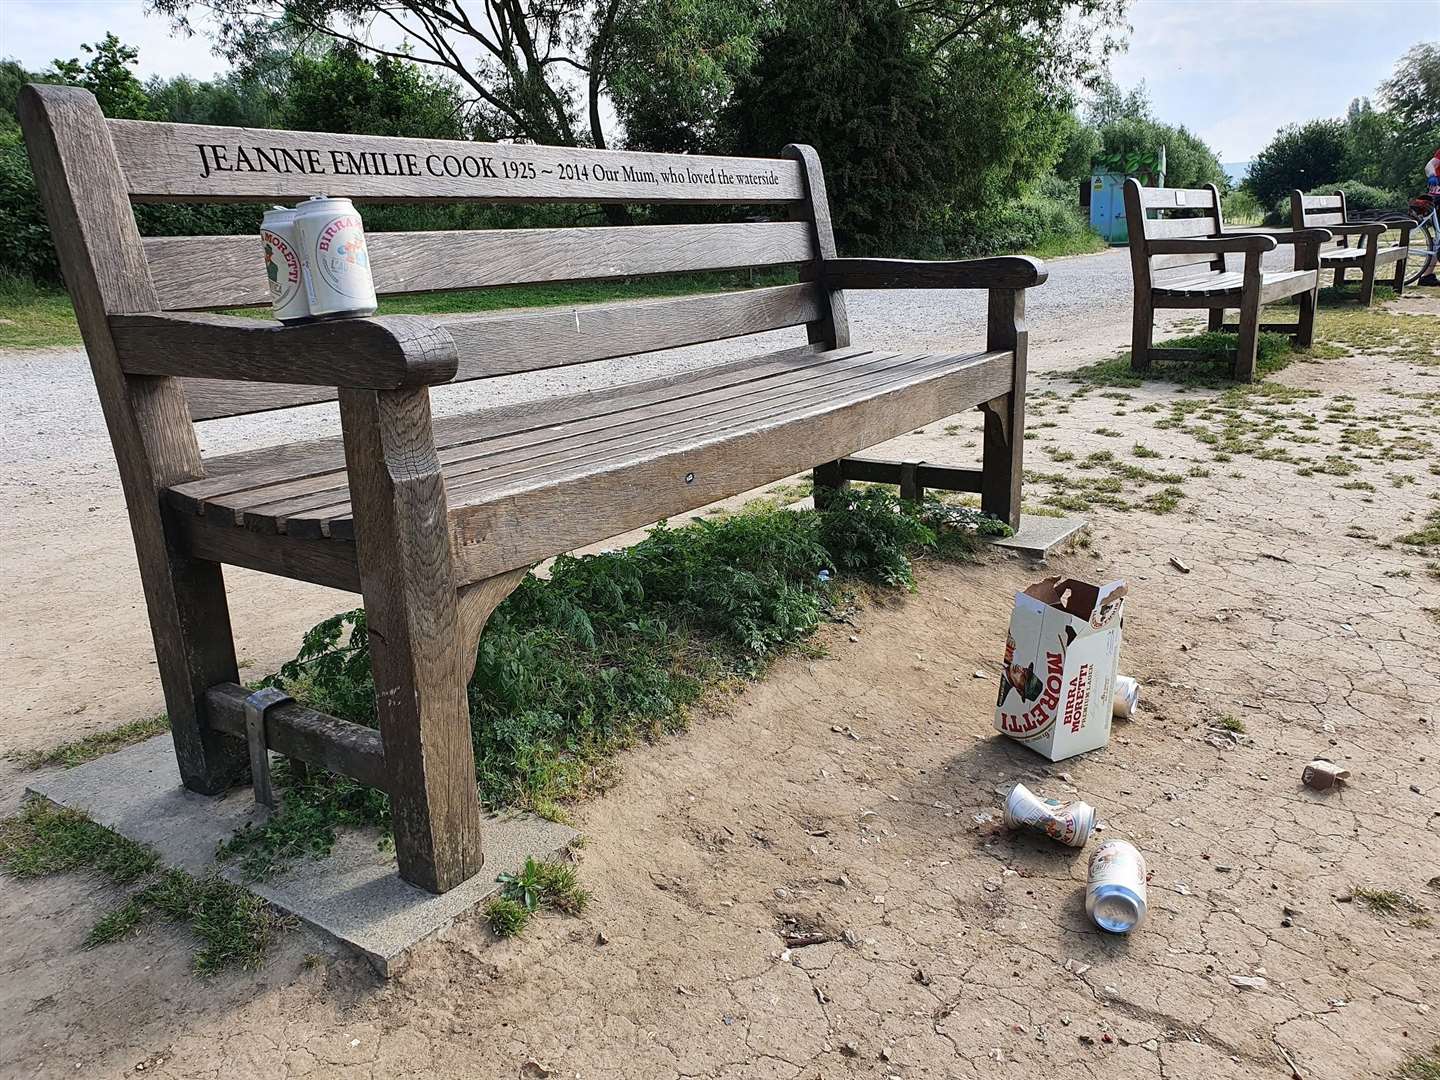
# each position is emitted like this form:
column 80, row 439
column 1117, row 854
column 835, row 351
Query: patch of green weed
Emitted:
column 90, row 747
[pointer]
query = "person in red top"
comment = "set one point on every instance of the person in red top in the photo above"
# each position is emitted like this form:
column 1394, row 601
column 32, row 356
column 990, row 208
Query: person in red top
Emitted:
column 1432, row 189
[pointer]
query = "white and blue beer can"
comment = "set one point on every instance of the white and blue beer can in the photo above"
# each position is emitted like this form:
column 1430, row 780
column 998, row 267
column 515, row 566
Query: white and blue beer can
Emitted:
column 1115, row 889
column 283, row 274
column 335, row 262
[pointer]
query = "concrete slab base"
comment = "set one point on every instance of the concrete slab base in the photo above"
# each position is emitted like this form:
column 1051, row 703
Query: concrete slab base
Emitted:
column 1038, row 535
column 354, row 896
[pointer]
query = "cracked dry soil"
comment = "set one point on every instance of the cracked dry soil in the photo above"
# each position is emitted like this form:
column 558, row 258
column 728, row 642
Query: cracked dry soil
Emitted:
column 957, row 950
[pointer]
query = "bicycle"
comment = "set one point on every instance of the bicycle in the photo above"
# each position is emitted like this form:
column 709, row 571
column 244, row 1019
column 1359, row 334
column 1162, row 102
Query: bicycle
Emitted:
column 1424, row 216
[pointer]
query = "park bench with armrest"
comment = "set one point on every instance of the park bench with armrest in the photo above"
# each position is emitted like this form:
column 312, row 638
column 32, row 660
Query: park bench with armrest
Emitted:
column 1178, row 245
column 1366, row 253
column 434, row 522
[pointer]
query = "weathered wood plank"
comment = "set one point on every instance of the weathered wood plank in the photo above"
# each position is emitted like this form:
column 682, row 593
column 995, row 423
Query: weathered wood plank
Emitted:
column 378, row 353
column 521, row 527
column 1005, row 271
column 167, row 162
column 409, row 585
column 216, row 539
column 1004, row 440
column 194, row 272
column 927, row 475
column 105, row 271
column 506, row 344
column 1177, row 198
column 316, row 738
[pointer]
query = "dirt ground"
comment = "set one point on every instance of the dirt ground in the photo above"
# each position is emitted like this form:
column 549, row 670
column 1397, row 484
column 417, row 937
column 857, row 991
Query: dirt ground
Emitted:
column 959, row 950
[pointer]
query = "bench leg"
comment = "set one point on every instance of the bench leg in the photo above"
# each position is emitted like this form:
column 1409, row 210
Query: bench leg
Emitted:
column 1142, row 330
column 194, row 650
column 1247, row 343
column 1339, row 277
column 1367, row 274
column 1305, row 325
column 397, row 493
column 1217, row 319
column 829, row 484
column 1398, row 283
column 1002, row 463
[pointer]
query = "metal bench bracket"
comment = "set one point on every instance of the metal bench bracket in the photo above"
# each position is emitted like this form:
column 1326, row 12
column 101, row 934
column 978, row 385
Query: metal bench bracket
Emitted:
column 256, row 706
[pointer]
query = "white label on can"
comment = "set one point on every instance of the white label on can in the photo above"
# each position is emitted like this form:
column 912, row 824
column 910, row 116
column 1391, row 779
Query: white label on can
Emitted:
column 341, row 259
column 282, row 269
column 1119, row 863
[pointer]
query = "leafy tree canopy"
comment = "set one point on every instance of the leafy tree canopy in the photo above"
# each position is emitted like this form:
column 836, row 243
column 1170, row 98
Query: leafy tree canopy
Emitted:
column 1302, row 156
column 107, row 75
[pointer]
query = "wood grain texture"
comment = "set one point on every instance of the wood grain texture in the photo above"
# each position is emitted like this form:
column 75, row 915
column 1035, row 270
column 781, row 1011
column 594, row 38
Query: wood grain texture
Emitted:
column 165, row 162
column 105, row 271
column 832, row 330
column 297, row 732
column 521, row 527
column 194, row 272
column 476, row 602
column 505, row 344
column 216, row 539
column 1179, row 198
column 927, row 475
column 378, row 353
column 1006, row 271
column 1004, row 438
column 409, row 585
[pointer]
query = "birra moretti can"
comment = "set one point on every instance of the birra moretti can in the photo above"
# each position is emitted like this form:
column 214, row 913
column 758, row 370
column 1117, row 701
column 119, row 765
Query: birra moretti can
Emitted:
column 282, row 265
column 334, row 261
column 1115, row 891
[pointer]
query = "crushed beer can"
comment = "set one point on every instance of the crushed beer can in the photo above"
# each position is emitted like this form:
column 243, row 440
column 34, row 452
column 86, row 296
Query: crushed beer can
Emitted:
column 334, row 259
column 288, row 301
column 1115, row 887
column 1323, row 774
column 1070, row 823
column 1127, row 696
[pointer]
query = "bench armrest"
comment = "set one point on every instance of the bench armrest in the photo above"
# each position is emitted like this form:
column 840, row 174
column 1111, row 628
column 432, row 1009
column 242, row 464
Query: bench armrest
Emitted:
column 1286, row 236
column 1205, row 245
column 387, row 352
column 1004, row 272
column 1358, row 228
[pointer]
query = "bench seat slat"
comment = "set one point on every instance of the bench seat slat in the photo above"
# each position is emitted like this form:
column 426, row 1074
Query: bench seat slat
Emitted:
column 1332, row 256
column 1276, row 284
column 196, row 272
column 852, row 383
column 535, row 454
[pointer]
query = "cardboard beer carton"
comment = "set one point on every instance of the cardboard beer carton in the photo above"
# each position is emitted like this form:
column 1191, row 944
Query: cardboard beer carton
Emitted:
column 1057, row 689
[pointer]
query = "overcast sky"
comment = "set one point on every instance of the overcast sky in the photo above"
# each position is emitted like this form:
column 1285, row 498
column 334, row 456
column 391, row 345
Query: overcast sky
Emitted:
column 1233, row 71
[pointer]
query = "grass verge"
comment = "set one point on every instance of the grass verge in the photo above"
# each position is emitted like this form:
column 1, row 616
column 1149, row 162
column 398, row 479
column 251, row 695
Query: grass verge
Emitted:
column 613, row 648
column 98, row 744
column 232, row 927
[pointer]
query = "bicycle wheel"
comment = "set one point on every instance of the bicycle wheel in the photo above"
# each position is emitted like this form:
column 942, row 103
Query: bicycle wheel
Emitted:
column 1423, row 247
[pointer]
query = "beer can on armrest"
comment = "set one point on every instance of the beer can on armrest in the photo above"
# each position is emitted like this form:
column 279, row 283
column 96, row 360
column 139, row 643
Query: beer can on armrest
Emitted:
column 288, row 301
column 334, row 260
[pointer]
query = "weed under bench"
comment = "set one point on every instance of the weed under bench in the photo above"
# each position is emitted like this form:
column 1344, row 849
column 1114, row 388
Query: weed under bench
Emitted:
column 435, row 522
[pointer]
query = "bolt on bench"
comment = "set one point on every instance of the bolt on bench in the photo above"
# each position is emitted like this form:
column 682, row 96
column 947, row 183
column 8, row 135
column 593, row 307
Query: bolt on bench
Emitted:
column 435, row 522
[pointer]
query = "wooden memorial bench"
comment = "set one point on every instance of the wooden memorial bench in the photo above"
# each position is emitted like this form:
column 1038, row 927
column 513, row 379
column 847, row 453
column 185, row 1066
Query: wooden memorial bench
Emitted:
column 434, row 523
column 1366, row 254
column 1178, row 245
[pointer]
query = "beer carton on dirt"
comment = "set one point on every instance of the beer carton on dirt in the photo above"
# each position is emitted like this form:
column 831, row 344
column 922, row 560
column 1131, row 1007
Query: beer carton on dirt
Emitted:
column 1057, row 688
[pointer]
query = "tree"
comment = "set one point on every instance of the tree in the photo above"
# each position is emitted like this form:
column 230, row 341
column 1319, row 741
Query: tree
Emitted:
column 341, row 90
column 922, row 113
column 519, row 61
column 1109, row 104
column 1303, row 156
column 107, row 75
column 1079, row 143
column 1412, row 95
column 674, row 67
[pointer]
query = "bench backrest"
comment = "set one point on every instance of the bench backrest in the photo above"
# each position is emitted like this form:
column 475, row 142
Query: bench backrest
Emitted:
column 1169, row 214
column 1312, row 211
column 91, row 170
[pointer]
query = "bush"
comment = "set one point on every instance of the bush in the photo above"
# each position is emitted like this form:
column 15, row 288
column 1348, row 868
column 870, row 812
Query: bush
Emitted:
column 1045, row 217
column 1240, row 207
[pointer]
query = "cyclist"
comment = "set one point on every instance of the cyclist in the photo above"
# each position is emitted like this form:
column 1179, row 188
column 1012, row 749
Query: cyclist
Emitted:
column 1432, row 188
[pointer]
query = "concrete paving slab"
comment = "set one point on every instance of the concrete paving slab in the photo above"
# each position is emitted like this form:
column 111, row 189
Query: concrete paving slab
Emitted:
column 1039, row 535
column 354, row 895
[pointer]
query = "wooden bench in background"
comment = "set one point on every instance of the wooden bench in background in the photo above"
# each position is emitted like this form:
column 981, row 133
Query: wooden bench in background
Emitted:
column 1178, row 245
column 1366, row 254
column 435, row 522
